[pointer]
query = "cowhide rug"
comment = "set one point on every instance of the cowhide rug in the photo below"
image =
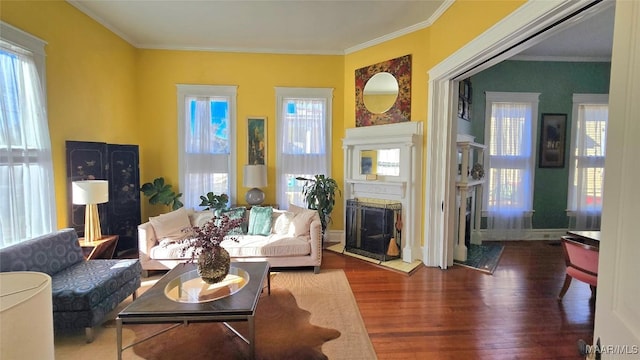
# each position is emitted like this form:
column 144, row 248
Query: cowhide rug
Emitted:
column 283, row 331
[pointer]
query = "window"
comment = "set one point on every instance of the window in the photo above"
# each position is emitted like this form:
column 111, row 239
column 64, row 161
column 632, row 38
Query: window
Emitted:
column 586, row 169
column 303, row 140
column 26, row 169
column 510, row 133
column 206, row 118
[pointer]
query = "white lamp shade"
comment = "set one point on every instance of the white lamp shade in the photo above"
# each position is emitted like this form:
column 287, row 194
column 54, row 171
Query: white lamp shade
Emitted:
column 90, row 192
column 255, row 176
column 26, row 316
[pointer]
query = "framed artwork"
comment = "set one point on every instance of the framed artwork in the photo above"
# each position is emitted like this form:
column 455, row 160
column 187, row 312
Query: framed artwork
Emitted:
column 256, row 140
column 552, row 140
column 366, row 165
column 464, row 99
column 400, row 110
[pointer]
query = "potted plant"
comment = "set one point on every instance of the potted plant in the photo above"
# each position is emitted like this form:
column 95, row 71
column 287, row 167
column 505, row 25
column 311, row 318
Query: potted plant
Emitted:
column 320, row 194
column 214, row 202
column 213, row 261
column 160, row 193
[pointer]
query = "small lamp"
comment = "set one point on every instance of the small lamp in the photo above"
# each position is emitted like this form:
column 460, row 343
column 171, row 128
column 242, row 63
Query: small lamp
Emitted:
column 90, row 193
column 255, row 177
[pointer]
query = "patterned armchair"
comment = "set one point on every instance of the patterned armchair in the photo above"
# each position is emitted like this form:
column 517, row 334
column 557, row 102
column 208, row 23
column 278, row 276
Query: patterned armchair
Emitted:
column 83, row 291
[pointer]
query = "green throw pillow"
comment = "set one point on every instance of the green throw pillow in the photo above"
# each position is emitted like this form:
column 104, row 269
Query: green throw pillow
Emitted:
column 235, row 213
column 260, row 220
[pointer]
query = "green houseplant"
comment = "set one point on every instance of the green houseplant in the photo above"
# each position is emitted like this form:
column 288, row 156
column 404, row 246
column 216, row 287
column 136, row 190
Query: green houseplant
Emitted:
column 214, row 202
column 160, row 193
column 320, row 194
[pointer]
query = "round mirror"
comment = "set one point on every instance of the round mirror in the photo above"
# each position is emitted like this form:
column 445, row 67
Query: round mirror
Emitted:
column 380, row 92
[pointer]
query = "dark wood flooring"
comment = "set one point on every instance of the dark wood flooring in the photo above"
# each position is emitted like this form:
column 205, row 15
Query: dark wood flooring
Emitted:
column 460, row 313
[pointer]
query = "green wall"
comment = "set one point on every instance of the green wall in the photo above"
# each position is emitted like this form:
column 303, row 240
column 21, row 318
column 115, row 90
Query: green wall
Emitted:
column 556, row 82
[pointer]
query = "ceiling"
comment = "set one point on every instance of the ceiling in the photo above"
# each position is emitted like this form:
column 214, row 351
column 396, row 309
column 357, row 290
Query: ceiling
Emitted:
column 308, row 26
column 298, row 26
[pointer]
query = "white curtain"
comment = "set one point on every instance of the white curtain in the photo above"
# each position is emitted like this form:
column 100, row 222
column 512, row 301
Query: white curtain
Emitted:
column 206, row 154
column 510, row 162
column 302, row 146
column 587, row 166
column 26, row 170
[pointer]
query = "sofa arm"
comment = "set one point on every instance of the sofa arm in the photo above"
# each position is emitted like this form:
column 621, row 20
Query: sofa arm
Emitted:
column 316, row 242
column 146, row 240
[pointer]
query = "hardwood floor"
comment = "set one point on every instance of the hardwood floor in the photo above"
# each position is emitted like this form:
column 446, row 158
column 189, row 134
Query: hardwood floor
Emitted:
column 460, row 313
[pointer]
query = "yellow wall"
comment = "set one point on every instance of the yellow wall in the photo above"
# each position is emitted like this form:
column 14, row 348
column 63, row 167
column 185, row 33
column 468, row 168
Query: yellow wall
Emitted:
column 100, row 88
column 256, row 76
column 90, row 80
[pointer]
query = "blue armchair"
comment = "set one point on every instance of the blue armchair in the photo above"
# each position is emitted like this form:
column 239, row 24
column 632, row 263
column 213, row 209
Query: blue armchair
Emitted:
column 84, row 291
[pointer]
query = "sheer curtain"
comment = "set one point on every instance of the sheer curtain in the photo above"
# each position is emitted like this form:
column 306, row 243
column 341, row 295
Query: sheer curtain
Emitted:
column 26, row 168
column 510, row 161
column 303, row 140
column 205, row 161
column 586, row 171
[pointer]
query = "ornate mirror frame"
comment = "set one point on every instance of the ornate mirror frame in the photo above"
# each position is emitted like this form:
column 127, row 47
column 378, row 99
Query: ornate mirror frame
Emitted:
column 400, row 111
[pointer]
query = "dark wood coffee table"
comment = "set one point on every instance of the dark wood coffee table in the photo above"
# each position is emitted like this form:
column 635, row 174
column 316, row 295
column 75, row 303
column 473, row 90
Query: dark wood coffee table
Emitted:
column 180, row 297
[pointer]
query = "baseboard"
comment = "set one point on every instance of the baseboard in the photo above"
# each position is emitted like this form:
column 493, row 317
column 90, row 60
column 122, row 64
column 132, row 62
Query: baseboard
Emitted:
column 336, row 236
column 533, row 234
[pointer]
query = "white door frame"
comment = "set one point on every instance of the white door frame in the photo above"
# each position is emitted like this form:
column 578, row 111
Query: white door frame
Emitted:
column 505, row 39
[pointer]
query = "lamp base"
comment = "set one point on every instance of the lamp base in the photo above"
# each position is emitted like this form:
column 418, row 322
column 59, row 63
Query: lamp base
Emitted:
column 254, row 196
column 92, row 230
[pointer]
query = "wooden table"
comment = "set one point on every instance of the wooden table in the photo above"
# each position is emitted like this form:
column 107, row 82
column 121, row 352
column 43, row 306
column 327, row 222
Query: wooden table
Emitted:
column 103, row 248
column 588, row 237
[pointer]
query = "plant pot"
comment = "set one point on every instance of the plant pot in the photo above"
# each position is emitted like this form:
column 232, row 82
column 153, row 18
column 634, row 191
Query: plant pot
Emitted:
column 213, row 266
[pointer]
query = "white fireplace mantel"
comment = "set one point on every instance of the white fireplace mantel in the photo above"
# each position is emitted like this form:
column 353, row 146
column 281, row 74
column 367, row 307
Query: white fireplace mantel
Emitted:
column 404, row 188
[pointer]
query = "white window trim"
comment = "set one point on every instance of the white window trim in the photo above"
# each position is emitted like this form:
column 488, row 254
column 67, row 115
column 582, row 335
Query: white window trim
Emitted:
column 287, row 92
column 529, row 97
column 32, row 43
column 579, row 99
column 231, row 91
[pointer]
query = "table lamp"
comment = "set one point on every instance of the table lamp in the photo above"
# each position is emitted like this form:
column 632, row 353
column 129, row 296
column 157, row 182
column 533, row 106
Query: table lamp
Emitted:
column 90, row 193
column 255, row 177
column 26, row 316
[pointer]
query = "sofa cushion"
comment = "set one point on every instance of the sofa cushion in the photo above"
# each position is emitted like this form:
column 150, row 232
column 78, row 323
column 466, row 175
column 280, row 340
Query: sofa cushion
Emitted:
column 272, row 246
column 171, row 225
column 49, row 253
column 199, row 218
column 302, row 220
column 260, row 220
column 85, row 285
column 233, row 214
column 171, row 250
column 282, row 222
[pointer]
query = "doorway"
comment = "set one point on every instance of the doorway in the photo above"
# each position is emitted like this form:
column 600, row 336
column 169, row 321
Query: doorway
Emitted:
column 541, row 20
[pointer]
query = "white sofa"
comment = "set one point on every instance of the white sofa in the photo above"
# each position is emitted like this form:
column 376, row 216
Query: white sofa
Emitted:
column 294, row 240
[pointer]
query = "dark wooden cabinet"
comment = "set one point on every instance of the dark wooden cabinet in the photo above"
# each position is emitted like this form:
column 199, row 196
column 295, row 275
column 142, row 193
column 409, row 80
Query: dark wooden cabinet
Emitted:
column 119, row 165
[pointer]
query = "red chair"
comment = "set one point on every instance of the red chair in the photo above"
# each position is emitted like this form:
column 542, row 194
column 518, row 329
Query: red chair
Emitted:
column 582, row 264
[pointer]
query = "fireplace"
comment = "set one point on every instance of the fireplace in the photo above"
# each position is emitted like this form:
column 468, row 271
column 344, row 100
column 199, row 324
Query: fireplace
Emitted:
column 374, row 229
column 383, row 168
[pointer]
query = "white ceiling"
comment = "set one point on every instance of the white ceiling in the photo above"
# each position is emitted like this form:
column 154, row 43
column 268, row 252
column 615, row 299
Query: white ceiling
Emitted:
column 308, row 26
column 298, row 26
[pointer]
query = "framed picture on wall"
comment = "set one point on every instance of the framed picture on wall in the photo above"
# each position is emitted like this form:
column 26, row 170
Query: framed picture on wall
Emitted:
column 553, row 135
column 256, row 140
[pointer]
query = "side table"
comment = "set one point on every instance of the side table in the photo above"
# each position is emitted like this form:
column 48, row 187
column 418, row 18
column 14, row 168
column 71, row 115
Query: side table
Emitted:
column 99, row 249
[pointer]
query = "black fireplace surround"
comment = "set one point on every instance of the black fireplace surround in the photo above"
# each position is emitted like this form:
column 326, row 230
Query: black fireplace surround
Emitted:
column 370, row 228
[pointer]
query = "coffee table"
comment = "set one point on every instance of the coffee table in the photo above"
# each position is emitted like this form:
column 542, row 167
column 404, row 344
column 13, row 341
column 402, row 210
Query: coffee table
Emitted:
column 180, row 297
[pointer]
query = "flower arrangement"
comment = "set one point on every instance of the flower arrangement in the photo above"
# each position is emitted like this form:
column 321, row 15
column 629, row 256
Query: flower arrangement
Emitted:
column 208, row 237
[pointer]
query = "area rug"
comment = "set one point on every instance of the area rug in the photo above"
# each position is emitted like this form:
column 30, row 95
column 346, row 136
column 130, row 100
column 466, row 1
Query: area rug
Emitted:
column 483, row 257
column 327, row 296
column 298, row 339
column 396, row 265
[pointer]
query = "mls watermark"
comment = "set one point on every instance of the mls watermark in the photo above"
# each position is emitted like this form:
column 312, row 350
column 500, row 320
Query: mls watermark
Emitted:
column 613, row 349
